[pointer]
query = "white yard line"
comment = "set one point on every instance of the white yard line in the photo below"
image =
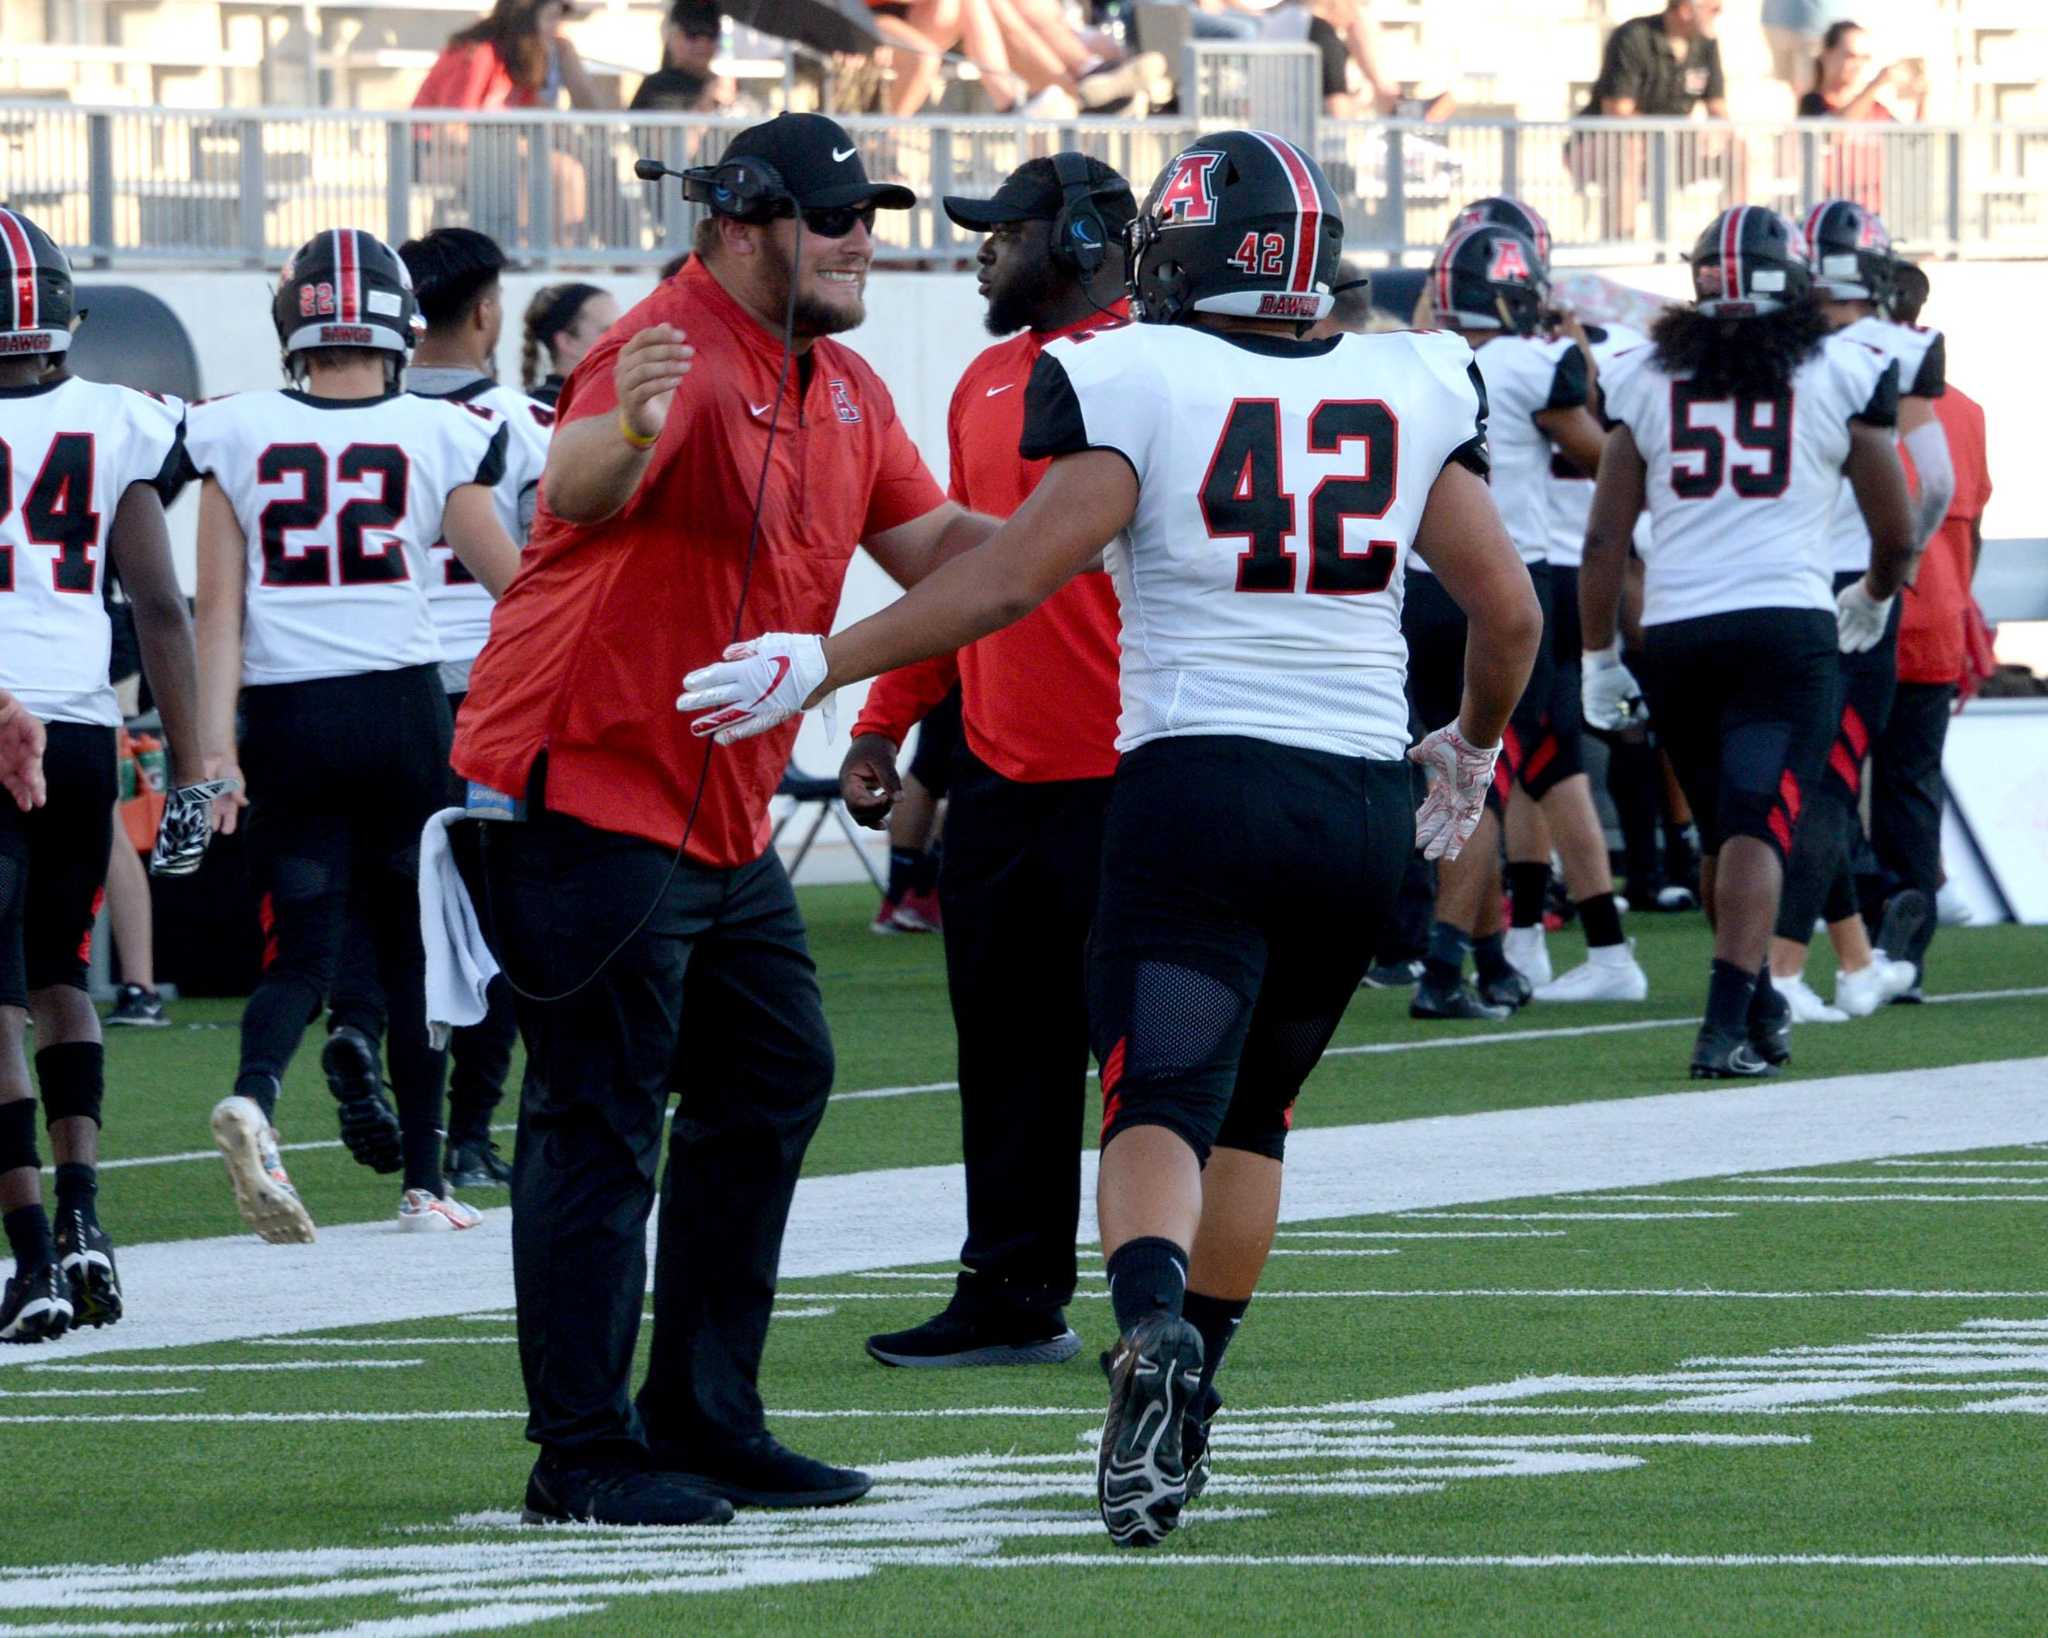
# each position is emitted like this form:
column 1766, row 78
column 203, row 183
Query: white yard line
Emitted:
column 199, row 1291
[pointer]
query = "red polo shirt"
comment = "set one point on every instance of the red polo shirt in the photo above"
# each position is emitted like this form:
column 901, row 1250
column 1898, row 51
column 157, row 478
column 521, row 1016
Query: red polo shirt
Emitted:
column 1039, row 699
column 1932, row 623
column 589, row 645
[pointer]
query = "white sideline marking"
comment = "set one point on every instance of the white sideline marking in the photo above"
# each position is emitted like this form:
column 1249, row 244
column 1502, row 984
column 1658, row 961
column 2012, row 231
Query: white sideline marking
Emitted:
column 1567, row 1216
column 200, row 1291
column 1530, row 1561
column 1328, row 1251
column 1835, row 1199
column 94, row 1393
column 1987, row 1164
column 370, row 1342
column 1421, row 1234
column 1894, row 1182
column 278, row 1365
column 1713, row 1294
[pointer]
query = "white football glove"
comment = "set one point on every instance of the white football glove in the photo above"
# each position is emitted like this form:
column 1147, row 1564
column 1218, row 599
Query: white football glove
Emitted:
column 1459, row 774
column 1609, row 696
column 758, row 684
column 1860, row 619
column 187, row 826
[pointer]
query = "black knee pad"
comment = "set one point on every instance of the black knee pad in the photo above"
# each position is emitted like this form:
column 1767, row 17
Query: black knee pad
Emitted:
column 1257, row 1127
column 1185, row 1024
column 18, row 1134
column 73, row 1080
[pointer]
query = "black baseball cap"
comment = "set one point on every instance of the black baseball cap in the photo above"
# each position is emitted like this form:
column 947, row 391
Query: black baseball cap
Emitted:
column 1032, row 193
column 818, row 162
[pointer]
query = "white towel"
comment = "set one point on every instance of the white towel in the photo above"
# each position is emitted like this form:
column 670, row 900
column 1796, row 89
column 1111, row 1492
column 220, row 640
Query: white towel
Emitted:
column 460, row 965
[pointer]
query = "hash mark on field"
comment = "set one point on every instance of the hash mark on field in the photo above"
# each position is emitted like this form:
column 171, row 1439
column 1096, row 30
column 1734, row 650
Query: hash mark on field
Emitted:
column 1421, row 1234
column 1823, row 1199
column 1569, row 1216
column 1987, row 1164
column 94, row 1393
column 267, row 1365
column 1889, row 1182
column 375, row 1342
column 1713, row 1293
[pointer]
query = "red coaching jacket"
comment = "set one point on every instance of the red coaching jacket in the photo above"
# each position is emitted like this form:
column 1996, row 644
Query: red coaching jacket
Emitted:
column 589, row 645
column 1039, row 699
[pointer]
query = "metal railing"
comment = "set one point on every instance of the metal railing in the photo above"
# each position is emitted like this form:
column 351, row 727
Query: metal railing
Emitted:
column 228, row 187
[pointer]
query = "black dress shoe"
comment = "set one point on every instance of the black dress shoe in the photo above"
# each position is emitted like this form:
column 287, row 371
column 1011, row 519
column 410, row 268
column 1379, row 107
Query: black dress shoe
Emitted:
column 556, row 1494
column 761, row 1472
column 961, row 1335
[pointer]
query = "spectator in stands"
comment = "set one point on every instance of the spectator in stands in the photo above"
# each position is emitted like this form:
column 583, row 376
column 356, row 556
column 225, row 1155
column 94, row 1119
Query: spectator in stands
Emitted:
column 1663, row 66
column 1794, row 31
column 1844, row 88
column 1343, row 31
column 564, row 321
column 684, row 84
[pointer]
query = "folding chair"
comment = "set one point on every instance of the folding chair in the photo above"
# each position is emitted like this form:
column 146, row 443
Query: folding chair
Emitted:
column 802, row 788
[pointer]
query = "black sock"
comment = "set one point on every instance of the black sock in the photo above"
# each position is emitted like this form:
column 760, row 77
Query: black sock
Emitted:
column 902, row 867
column 1728, row 996
column 924, row 876
column 1766, row 1005
column 260, row 1090
column 1490, row 957
column 1217, row 1319
column 421, row 1145
column 78, row 1187
column 1147, row 1277
column 28, row 1235
column 1444, row 966
column 1601, row 920
column 1528, row 884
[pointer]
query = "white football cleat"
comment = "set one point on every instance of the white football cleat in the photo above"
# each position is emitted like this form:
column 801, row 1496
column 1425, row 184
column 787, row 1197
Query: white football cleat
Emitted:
column 1862, row 992
column 1807, row 1006
column 1611, row 973
column 1528, row 953
column 422, row 1213
column 263, row 1193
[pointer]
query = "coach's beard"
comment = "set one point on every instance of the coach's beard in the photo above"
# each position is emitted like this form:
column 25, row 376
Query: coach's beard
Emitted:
column 813, row 315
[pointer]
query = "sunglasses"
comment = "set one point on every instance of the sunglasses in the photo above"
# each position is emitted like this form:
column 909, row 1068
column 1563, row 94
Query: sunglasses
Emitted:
column 836, row 221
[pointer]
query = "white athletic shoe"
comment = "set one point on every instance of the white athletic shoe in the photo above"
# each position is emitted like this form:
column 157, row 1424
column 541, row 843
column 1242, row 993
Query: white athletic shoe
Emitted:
column 1950, row 908
column 1608, row 974
column 263, row 1193
column 1528, row 954
column 424, row 1213
column 1807, row 1006
column 1862, row 992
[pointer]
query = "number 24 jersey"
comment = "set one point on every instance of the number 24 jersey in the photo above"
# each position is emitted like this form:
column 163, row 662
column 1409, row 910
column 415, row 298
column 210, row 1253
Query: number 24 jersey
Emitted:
column 340, row 501
column 1280, row 485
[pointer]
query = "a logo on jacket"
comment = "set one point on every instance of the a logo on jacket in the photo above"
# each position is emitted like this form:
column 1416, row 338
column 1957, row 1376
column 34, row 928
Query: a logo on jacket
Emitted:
column 843, row 405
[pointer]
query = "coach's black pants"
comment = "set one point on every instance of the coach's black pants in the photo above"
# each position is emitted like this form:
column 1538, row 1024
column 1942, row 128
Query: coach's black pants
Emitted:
column 1906, row 796
column 1017, row 889
column 714, row 999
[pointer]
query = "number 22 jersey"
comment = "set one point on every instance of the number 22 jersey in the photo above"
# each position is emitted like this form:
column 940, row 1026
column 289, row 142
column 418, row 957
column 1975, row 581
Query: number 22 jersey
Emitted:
column 1280, row 485
column 340, row 501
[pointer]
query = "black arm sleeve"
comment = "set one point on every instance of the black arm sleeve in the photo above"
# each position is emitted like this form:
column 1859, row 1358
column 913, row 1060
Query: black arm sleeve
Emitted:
column 1883, row 408
column 1569, row 384
column 1932, row 379
column 1472, row 453
column 490, row 470
column 1053, row 423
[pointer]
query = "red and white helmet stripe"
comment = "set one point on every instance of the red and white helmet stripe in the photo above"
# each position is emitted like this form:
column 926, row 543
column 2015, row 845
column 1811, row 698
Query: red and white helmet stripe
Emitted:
column 1308, row 210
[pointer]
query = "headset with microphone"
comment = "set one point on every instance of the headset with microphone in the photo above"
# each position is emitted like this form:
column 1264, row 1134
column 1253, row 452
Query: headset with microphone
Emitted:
column 1079, row 241
column 744, row 187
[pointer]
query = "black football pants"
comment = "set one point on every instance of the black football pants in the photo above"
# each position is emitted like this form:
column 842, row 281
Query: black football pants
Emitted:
column 713, row 999
column 1017, row 891
column 1906, row 797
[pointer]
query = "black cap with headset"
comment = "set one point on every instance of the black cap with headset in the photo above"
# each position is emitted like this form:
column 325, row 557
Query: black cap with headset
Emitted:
column 1072, row 199
column 791, row 163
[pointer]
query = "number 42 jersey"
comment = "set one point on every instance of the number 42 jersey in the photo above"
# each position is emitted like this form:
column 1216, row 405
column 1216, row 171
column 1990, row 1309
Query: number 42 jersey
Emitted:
column 1280, row 486
column 340, row 501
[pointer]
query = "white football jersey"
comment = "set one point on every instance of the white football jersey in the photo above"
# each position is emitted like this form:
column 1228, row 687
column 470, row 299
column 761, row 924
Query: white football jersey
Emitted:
column 1922, row 357
column 462, row 608
column 340, row 501
column 1280, row 485
column 1571, row 491
column 68, row 452
column 1740, row 490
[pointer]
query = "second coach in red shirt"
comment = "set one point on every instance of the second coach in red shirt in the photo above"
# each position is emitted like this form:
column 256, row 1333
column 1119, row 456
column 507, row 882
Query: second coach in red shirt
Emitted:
column 711, row 472
column 1028, row 795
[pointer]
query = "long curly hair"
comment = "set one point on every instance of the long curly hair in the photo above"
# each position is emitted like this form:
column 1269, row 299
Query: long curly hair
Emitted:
column 513, row 26
column 1745, row 357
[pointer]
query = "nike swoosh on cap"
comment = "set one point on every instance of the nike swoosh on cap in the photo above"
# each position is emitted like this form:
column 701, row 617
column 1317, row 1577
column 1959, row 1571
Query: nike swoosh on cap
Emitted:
column 841, row 155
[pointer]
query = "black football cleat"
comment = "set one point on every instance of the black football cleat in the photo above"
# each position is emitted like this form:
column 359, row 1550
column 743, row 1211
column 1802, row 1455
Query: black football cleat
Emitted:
column 1770, row 1030
column 1905, row 914
column 961, row 1337
column 369, row 1128
column 85, row 1253
column 1717, row 1056
column 36, row 1306
column 1393, row 975
column 1452, row 1001
column 1141, row 1479
column 1194, row 1438
column 476, row 1166
column 613, row 1495
column 1509, row 989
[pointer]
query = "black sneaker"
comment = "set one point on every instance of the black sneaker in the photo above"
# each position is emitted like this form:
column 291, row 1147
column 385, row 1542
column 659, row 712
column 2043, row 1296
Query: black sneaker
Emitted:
column 1393, row 975
column 1194, row 1439
column 985, row 1336
column 762, row 1472
column 1141, row 1478
column 1770, row 1030
column 36, row 1306
column 1720, row 1057
column 142, row 1008
column 617, row 1495
column 476, row 1166
column 1452, row 1001
column 1508, row 989
column 86, row 1255
column 369, row 1129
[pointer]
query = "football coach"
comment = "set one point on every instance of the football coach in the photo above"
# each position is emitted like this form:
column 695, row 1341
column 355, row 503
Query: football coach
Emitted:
column 716, row 462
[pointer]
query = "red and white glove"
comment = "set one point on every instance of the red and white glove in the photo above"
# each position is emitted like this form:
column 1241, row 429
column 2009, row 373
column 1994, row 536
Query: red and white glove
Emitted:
column 1459, row 774
column 757, row 685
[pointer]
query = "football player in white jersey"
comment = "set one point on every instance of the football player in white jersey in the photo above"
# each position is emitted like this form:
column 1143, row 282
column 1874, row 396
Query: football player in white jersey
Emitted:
column 1257, row 507
column 321, row 505
column 1735, row 426
column 1850, row 255
column 85, row 468
column 1490, row 285
column 455, row 278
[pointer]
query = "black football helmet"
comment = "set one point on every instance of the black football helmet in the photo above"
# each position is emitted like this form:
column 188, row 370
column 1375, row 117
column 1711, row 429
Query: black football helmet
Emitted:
column 346, row 288
column 1489, row 277
column 1499, row 210
column 1850, row 253
column 1241, row 222
column 1749, row 261
column 37, row 298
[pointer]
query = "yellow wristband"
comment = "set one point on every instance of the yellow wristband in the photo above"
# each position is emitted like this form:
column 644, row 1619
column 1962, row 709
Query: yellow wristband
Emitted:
column 626, row 431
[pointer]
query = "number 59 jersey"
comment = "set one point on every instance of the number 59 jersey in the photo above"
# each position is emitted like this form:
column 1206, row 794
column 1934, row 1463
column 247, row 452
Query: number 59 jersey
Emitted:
column 69, row 449
column 340, row 501
column 1739, row 489
column 1280, row 485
